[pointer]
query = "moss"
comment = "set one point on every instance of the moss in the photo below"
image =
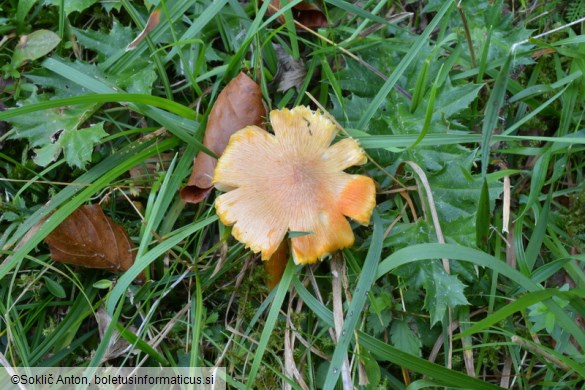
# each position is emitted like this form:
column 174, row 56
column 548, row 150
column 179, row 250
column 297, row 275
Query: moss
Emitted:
column 575, row 217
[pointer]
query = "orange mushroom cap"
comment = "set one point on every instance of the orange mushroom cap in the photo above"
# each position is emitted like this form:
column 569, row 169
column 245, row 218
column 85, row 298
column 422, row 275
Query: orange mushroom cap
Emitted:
column 293, row 181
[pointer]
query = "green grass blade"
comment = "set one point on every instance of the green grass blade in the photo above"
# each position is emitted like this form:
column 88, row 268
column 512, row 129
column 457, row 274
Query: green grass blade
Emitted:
column 482, row 219
column 281, row 292
column 316, row 307
column 142, row 345
column 102, row 348
column 401, row 68
column 124, row 59
column 202, row 20
column 181, row 127
column 145, row 260
column 100, row 177
column 438, row 373
column 150, row 100
column 450, row 251
column 360, row 295
column 429, row 111
column 539, row 174
column 492, row 112
column 354, row 9
column 420, row 86
column 537, row 237
column 519, row 304
column 197, row 320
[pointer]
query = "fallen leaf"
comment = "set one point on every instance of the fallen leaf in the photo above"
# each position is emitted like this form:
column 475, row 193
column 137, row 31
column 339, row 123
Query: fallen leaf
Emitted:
column 307, row 14
column 151, row 23
column 117, row 346
column 91, row 239
column 290, row 73
column 543, row 52
column 238, row 105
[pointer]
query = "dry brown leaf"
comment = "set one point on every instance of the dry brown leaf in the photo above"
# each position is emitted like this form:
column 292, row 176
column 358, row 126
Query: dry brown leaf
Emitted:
column 153, row 21
column 307, row 14
column 238, row 105
column 117, row 346
column 290, row 73
column 90, row 239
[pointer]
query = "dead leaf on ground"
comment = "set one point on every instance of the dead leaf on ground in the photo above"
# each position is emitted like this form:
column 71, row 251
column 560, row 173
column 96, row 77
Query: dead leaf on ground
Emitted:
column 238, row 105
column 91, row 239
column 153, row 21
column 117, row 346
column 290, row 73
column 307, row 14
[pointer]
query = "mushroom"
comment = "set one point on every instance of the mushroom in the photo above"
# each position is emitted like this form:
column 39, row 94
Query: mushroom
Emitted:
column 293, row 182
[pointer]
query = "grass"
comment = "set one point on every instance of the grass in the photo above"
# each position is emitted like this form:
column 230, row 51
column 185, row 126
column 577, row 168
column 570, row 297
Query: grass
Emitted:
column 469, row 276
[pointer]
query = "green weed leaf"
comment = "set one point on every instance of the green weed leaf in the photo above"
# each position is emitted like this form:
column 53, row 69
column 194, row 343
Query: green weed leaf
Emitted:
column 44, row 126
column 105, row 44
column 74, row 5
column 55, row 288
column 78, row 144
column 544, row 318
column 47, row 154
column 404, row 338
column 103, row 284
column 443, row 291
column 33, row 46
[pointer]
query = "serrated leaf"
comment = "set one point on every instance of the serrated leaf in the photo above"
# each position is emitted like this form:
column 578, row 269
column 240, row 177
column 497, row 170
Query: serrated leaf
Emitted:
column 78, row 144
column 112, row 4
column 454, row 99
column 58, row 127
column 442, row 291
column 405, row 234
column 356, row 80
column 55, row 288
column 349, row 110
column 33, row 46
column 404, row 338
column 456, row 191
column 62, row 87
column 74, row 5
column 138, row 78
column 44, row 126
column 46, row 129
column 377, row 323
column 47, row 154
column 105, row 44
